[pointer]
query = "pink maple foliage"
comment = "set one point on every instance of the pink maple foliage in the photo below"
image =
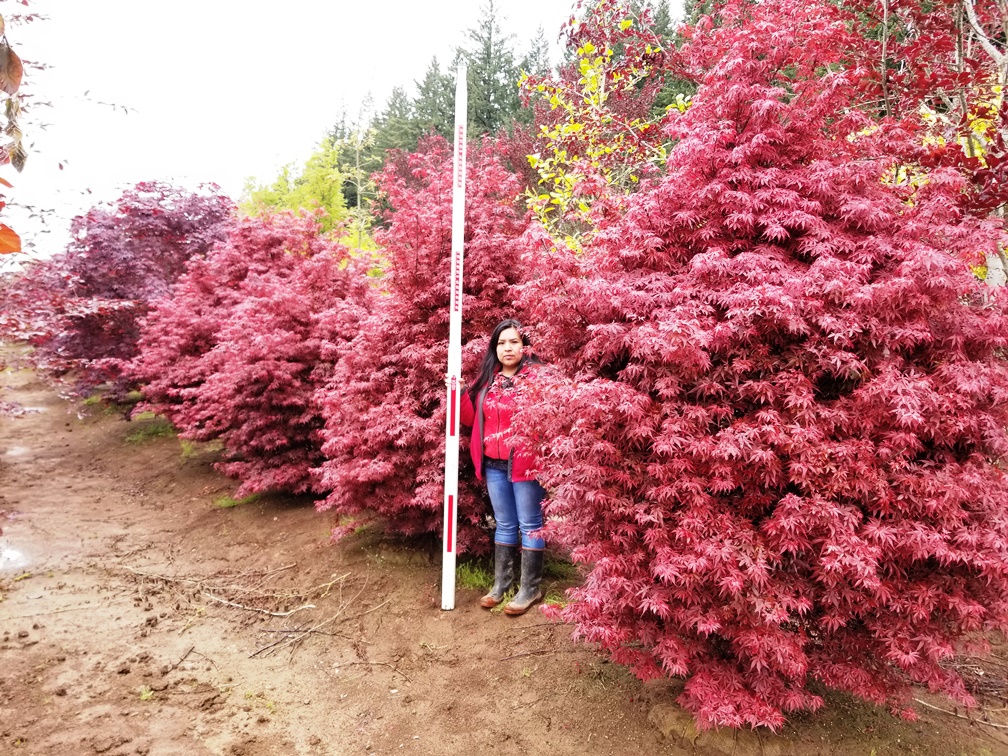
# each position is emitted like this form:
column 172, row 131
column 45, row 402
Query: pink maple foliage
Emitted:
column 259, row 399
column 384, row 406
column 238, row 350
column 185, row 325
column 780, row 458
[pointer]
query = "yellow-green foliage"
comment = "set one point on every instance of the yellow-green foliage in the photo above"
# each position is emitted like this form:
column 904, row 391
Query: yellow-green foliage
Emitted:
column 319, row 184
column 586, row 138
column 357, row 232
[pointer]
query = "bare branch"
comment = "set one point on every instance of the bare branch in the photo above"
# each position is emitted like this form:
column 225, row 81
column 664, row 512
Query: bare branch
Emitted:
column 998, row 57
column 960, row 716
column 256, row 609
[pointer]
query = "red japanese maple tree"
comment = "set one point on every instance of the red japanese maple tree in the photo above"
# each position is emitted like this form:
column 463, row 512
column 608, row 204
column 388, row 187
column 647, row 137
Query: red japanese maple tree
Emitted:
column 780, row 460
column 248, row 336
column 268, row 365
column 384, row 407
column 184, row 326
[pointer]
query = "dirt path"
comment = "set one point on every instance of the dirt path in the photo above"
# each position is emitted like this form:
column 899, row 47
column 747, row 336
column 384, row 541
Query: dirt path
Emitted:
column 137, row 616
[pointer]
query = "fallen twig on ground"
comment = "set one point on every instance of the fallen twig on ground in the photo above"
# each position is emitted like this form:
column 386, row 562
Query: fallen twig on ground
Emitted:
column 960, row 716
column 541, row 652
column 183, row 657
column 270, row 646
column 377, row 664
column 276, row 571
column 300, row 634
column 226, row 589
column 56, row 611
column 132, row 551
column 256, row 609
column 372, row 609
column 207, row 658
column 315, row 632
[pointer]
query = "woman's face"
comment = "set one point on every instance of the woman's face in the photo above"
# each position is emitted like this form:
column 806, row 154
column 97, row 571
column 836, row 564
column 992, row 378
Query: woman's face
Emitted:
column 510, row 348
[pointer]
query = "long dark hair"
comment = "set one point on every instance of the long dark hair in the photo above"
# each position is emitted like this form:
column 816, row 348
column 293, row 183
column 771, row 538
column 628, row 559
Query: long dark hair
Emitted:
column 491, row 365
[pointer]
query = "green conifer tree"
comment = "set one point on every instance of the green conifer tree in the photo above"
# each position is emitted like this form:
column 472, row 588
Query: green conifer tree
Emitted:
column 434, row 107
column 493, row 74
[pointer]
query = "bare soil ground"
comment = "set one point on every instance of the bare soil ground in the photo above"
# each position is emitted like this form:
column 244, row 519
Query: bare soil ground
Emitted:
column 138, row 616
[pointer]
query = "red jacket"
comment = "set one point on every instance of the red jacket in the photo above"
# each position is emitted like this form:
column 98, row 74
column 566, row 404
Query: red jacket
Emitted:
column 491, row 429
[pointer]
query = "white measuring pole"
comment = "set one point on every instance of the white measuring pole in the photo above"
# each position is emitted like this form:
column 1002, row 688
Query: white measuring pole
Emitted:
column 450, row 540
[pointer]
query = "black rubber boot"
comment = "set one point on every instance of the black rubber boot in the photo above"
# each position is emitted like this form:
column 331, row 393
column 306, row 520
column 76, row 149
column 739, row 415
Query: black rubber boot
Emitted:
column 531, row 580
column 504, row 574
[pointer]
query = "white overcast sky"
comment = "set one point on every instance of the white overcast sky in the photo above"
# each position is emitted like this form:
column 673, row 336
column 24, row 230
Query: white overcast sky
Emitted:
column 194, row 91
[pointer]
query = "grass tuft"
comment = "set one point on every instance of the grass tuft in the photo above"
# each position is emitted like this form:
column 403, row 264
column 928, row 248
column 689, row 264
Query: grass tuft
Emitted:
column 192, row 449
column 149, row 428
column 505, row 601
column 226, row 502
column 560, row 569
column 555, row 597
column 474, row 576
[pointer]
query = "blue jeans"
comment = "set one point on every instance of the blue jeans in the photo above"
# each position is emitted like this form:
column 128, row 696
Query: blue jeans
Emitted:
column 516, row 505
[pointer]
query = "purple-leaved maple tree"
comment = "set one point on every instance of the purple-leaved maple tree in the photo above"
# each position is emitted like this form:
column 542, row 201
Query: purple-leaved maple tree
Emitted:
column 80, row 309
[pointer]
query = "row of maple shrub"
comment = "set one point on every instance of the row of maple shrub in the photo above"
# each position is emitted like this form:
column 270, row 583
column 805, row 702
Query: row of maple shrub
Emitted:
column 774, row 429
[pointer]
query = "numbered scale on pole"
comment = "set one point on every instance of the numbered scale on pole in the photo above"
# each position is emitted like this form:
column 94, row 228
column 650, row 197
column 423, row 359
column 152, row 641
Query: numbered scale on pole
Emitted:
column 450, row 540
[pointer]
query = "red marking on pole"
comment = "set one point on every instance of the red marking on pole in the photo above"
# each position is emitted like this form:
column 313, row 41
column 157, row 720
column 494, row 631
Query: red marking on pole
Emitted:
column 454, row 403
column 451, row 522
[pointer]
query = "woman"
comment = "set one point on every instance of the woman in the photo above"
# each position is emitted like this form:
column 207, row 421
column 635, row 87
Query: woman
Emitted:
column 515, row 495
